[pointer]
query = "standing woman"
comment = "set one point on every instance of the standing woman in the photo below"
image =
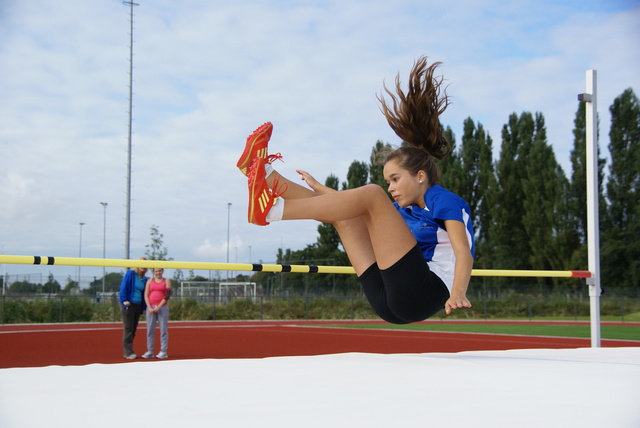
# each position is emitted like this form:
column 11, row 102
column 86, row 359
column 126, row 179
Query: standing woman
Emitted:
column 413, row 257
column 132, row 305
column 156, row 295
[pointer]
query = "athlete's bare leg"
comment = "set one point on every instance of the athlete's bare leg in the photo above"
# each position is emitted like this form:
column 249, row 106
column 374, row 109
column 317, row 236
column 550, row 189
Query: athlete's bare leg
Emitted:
column 370, row 228
column 293, row 190
column 389, row 237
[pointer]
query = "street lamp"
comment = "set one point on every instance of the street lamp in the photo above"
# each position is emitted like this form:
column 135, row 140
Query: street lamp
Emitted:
column 104, row 238
column 228, row 227
column 80, row 253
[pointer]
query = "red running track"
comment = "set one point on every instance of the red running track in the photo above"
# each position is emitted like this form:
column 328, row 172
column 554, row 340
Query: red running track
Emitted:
column 39, row 345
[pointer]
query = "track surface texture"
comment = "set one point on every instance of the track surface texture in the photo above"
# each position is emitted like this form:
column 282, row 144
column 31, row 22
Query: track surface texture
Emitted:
column 40, row 345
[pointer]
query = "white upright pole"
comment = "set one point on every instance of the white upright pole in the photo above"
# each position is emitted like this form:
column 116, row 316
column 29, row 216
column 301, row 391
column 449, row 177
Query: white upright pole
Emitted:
column 593, row 222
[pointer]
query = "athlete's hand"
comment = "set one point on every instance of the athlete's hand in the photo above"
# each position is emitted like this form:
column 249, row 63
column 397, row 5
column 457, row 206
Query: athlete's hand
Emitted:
column 313, row 183
column 456, row 301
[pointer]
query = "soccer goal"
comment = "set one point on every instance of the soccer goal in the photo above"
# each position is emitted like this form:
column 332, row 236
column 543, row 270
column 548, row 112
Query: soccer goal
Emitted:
column 222, row 292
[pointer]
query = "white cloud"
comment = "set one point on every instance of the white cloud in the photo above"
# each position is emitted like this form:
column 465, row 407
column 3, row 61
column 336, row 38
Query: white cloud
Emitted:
column 208, row 250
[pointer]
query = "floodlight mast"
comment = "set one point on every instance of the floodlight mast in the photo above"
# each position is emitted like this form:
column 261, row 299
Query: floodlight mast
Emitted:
column 593, row 221
column 127, row 228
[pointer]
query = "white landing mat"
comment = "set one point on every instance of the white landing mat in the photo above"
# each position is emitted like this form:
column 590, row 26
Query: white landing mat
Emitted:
column 582, row 388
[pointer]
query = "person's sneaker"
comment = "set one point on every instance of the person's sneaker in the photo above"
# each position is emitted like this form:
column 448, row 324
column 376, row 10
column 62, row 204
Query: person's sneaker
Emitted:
column 256, row 147
column 131, row 356
column 162, row 355
column 261, row 196
column 147, row 355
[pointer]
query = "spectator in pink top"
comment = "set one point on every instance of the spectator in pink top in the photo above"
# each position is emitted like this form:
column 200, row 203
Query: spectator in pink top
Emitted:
column 156, row 294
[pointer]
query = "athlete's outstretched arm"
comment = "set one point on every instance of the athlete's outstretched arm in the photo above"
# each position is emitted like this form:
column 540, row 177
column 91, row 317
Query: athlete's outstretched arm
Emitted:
column 462, row 270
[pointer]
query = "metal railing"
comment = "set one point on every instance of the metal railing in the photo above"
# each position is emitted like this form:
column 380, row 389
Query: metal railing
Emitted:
column 66, row 309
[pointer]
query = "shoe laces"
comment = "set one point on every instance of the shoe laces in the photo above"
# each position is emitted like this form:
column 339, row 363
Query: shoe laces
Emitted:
column 275, row 157
column 277, row 192
column 252, row 171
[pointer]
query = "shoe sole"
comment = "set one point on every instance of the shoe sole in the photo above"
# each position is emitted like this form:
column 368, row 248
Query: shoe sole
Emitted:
column 245, row 159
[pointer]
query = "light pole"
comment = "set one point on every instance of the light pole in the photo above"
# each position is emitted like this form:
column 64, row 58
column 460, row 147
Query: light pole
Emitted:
column 80, row 253
column 104, row 238
column 228, row 228
column 127, row 230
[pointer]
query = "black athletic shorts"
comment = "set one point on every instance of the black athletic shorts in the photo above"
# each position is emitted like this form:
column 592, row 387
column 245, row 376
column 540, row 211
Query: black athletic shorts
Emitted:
column 407, row 291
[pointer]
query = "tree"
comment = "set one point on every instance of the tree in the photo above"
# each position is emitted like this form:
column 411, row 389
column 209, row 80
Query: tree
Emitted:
column 51, row 286
column 624, row 173
column 71, row 287
column 509, row 247
column 451, row 166
column 112, row 282
column 156, row 250
column 22, row 288
column 357, row 175
column 470, row 176
column 578, row 187
column 621, row 244
column 551, row 229
column 376, row 175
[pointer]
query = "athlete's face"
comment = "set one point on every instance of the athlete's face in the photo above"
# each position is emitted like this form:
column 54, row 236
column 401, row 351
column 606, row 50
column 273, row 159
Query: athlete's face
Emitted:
column 405, row 188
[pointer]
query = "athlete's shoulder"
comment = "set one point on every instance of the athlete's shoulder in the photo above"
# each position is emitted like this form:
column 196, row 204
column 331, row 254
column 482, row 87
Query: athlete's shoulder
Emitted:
column 439, row 193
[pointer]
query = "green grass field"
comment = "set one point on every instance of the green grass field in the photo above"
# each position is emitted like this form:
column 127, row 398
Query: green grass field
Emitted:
column 630, row 332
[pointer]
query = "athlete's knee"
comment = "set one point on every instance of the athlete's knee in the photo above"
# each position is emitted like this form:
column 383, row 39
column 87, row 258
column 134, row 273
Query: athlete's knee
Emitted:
column 374, row 188
column 374, row 193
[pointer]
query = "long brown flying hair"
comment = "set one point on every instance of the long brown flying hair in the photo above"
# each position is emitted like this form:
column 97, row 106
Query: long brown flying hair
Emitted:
column 414, row 115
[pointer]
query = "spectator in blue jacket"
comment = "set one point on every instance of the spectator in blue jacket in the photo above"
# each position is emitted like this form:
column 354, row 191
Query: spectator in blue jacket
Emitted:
column 132, row 305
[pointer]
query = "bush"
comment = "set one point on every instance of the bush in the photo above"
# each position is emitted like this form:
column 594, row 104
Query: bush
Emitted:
column 240, row 309
column 85, row 309
column 189, row 310
column 284, row 309
column 47, row 310
column 76, row 310
column 108, row 311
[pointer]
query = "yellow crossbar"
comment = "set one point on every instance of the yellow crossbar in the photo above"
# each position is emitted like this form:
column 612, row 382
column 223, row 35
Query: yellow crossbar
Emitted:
column 252, row 267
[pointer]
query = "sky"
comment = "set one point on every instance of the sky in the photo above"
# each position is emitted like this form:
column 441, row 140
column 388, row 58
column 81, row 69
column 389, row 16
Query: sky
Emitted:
column 207, row 73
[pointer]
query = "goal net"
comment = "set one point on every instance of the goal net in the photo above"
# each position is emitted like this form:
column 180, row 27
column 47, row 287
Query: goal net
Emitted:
column 223, row 292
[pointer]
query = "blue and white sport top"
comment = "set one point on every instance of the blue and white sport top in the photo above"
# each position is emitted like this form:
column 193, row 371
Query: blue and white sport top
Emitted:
column 427, row 225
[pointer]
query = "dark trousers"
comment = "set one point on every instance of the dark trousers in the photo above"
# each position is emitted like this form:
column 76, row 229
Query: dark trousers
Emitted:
column 406, row 292
column 130, row 317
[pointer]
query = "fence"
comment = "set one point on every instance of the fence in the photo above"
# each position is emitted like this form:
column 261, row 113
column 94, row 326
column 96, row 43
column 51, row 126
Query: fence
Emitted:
column 64, row 309
column 593, row 282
